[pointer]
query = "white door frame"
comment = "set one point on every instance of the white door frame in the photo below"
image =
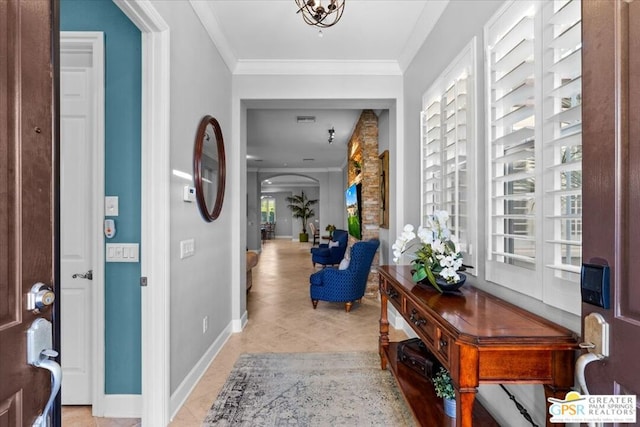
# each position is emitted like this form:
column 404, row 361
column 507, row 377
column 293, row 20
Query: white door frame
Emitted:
column 155, row 175
column 92, row 43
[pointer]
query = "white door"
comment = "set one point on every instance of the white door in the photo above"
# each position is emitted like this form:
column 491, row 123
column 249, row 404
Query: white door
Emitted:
column 76, row 217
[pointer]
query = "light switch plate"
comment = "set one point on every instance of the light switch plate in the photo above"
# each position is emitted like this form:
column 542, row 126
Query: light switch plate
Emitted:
column 122, row 252
column 187, row 248
column 111, row 206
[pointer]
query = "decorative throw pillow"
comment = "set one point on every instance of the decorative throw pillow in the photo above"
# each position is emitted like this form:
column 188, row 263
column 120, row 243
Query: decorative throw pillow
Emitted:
column 344, row 264
column 333, row 244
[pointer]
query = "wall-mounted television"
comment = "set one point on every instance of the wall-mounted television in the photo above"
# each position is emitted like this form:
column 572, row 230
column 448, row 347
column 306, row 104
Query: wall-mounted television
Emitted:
column 353, row 198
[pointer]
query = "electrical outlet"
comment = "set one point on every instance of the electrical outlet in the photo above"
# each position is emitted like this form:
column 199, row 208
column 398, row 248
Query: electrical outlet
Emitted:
column 205, row 324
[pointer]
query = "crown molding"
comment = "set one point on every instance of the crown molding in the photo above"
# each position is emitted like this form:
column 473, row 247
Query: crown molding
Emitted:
column 210, row 24
column 294, row 170
column 318, row 67
column 427, row 20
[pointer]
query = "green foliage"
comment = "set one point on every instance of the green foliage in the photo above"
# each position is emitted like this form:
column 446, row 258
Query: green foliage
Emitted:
column 353, row 225
column 301, row 208
column 443, row 385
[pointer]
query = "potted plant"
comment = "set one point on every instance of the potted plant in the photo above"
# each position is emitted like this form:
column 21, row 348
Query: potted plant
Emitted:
column 301, row 208
column 330, row 228
column 444, row 389
column 437, row 257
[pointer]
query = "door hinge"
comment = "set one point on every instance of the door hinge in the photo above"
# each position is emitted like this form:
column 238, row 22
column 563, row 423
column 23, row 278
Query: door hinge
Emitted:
column 143, row 281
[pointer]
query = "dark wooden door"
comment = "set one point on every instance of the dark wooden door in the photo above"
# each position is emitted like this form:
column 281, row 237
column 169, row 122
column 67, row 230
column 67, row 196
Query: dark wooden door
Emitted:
column 611, row 186
column 27, row 129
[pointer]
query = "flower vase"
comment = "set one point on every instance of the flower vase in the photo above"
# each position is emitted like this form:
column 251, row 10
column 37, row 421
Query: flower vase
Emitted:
column 444, row 285
column 451, row 287
column 450, row 407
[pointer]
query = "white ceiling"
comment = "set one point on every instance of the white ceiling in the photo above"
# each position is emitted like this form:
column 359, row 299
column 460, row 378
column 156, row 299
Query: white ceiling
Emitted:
column 255, row 35
column 299, row 145
column 255, row 31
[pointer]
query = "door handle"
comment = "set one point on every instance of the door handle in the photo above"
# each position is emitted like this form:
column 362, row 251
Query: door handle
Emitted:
column 40, row 354
column 88, row 275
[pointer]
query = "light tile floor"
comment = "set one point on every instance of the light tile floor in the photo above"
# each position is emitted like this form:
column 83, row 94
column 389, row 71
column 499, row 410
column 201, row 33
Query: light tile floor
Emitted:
column 281, row 319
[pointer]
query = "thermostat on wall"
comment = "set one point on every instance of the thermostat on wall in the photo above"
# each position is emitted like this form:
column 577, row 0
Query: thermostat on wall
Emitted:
column 189, row 193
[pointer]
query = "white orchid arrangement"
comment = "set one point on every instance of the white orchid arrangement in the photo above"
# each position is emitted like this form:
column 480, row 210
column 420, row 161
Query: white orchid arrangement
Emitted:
column 437, row 251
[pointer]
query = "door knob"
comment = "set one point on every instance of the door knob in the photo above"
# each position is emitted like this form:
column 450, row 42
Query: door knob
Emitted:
column 40, row 297
column 88, row 275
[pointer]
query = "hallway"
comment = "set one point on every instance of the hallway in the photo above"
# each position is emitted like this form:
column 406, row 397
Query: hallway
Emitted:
column 281, row 319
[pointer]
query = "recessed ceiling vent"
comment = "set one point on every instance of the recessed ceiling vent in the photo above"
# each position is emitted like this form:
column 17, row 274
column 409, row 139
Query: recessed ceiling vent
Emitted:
column 308, row 160
column 306, row 119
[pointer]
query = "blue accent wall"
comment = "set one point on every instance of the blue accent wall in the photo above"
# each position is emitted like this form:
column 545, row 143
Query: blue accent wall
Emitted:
column 123, row 67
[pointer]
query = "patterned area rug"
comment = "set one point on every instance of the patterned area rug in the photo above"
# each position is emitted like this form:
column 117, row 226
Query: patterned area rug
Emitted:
column 309, row 389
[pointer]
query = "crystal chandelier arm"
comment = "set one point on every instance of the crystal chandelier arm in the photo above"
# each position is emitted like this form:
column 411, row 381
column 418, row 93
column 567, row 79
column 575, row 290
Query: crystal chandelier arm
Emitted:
column 316, row 15
column 302, row 6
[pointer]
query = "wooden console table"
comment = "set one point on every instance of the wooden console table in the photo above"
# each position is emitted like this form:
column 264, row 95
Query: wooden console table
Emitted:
column 480, row 339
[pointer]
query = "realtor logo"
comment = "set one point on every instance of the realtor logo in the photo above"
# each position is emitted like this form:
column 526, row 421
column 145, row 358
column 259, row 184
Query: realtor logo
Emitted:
column 576, row 408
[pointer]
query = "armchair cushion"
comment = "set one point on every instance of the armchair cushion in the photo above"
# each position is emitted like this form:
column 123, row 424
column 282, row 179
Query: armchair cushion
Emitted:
column 321, row 252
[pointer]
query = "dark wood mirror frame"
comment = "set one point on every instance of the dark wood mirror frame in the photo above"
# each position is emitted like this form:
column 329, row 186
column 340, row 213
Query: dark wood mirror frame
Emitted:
column 210, row 210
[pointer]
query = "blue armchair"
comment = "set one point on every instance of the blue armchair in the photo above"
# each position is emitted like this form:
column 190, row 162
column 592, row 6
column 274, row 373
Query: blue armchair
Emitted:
column 345, row 285
column 331, row 256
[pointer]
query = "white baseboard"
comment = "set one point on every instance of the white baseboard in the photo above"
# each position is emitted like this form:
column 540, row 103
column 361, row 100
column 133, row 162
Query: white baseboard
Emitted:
column 186, row 387
column 122, row 406
column 239, row 324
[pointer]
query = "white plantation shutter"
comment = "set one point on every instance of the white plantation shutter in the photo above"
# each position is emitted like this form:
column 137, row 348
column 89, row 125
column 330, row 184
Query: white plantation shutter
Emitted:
column 534, row 143
column 447, row 138
column 512, row 137
column 562, row 151
column 454, row 144
column 431, row 159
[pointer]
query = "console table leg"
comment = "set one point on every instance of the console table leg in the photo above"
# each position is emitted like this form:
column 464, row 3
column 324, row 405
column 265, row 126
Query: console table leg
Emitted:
column 384, row 328
column 563, row 368
column 556, row 392
column 464, row 409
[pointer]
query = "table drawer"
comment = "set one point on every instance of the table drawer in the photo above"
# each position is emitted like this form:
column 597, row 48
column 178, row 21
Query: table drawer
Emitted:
column 393, row 295
column 443, row 345
column 423, row 323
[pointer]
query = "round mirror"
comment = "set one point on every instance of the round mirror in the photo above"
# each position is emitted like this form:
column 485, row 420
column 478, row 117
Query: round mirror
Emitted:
column 209, row 168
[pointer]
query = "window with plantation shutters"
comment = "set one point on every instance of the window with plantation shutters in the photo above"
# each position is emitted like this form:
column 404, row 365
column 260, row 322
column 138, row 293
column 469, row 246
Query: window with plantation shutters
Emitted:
column 534, row 195
column 447, row 138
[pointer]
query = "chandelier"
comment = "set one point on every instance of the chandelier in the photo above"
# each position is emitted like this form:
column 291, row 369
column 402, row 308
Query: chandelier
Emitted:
column 314, row 13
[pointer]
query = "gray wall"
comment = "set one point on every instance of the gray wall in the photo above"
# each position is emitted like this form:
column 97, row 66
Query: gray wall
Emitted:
column 201, row 284
column 330, row 208
column 253, row 211
column 460, row 21
column 384, row 134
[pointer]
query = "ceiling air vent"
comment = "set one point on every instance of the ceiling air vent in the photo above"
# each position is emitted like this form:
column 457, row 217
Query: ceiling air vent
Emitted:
column 306, row 119
column 308, row 160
